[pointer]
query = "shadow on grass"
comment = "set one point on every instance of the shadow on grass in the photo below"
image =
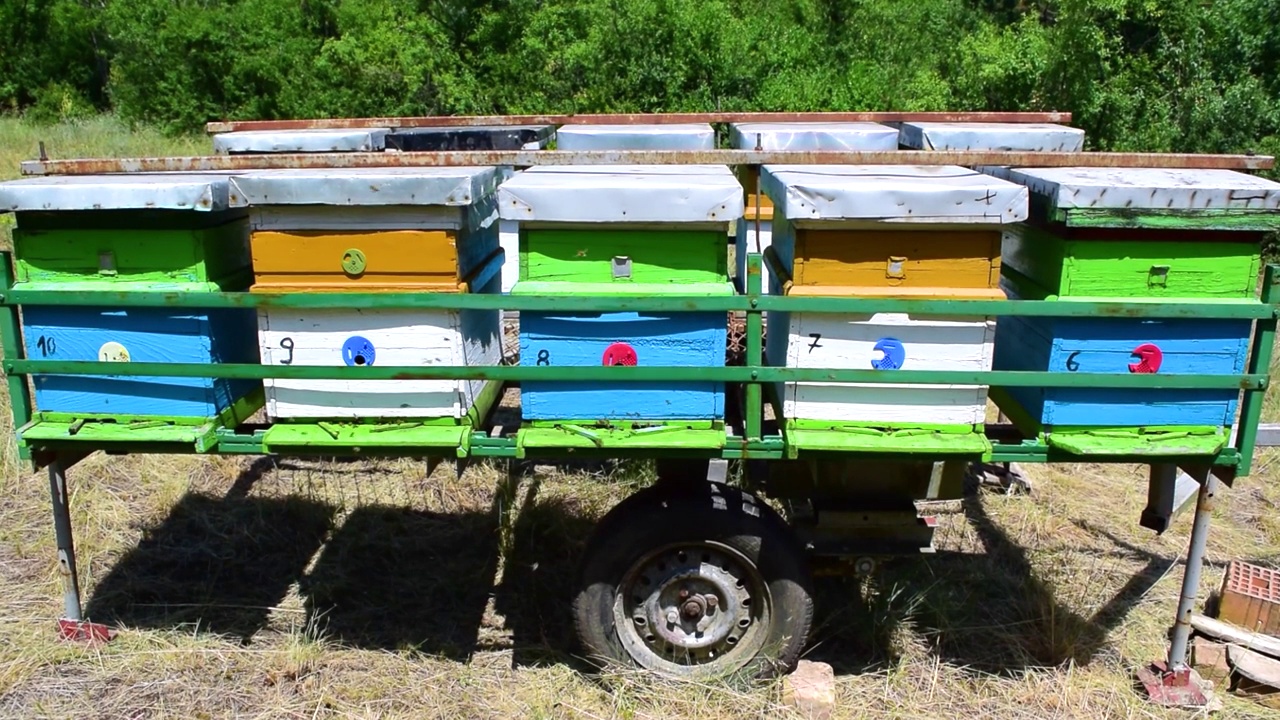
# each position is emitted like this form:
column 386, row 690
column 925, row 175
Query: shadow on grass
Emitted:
column 987, row 611
column 218, row 565
column 394, row 578
column 539, row 580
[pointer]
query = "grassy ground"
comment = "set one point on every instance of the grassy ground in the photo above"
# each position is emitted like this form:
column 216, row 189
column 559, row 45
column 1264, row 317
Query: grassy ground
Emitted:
column 314, row 589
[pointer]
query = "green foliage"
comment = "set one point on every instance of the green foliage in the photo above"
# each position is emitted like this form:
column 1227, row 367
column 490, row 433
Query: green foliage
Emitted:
column 1138, row 74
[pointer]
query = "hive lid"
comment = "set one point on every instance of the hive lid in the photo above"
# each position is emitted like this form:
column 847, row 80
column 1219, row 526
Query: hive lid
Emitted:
column 480, row 137
column 1025, row 137
column 893, row 193
column 200, row 192
column 684, row 136
column 622, row 194
column 287, row 141
column 452, row 186
column 1145, row 188
column 866, row 136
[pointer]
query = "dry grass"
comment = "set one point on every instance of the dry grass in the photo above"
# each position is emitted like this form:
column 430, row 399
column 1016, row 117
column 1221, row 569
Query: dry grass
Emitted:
column 319, row 589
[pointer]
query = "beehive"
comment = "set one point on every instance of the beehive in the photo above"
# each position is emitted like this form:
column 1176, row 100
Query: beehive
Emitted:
column 372, row 230
column 1133, row 234
column 159, row 232
column 680, row 136
column 885, row 231
column 478, row 137
column 485, row 137
column 622, row 231
column 1014, row 137
column 755, row 232
column 245, row 142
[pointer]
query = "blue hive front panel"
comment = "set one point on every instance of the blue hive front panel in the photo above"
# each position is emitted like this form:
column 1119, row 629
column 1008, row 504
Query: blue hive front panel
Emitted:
column 141, row 335
column 648, row 339
column 1115, row 345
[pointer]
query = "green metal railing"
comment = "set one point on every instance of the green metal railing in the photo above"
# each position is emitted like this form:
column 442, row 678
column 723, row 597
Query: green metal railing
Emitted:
column 753, row 375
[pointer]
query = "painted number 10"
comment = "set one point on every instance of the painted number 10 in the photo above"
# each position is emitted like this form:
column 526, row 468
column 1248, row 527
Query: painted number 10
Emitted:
column 47, row 346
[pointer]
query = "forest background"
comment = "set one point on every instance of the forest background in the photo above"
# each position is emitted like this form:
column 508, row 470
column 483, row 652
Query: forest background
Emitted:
column 1145, row 75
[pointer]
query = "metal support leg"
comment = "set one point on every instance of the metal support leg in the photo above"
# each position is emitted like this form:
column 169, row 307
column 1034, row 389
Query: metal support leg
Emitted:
column 72, row 626
column 1173, row 682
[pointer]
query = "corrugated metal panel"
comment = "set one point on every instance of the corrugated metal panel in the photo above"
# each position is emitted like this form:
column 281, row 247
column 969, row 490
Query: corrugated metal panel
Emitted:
column 813, row 136
column 623, row 193
column 1146, row 188
column 1013, row 137
column 365, row 186
column 692, row 136
column 893, row 193
column 153, row 191
column 278, row 141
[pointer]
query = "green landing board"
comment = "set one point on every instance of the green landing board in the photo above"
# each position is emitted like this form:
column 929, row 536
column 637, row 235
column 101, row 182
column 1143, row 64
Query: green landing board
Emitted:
column 671, row 436
column 1166, row 441
column 656, row 256
column 339, row 436
column 543, row 289
column 200, row 433
column 813, row 435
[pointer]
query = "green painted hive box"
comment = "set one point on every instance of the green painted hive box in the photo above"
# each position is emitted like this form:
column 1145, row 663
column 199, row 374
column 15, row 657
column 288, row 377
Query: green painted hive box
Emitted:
column 159, row 232
column 1135, row 235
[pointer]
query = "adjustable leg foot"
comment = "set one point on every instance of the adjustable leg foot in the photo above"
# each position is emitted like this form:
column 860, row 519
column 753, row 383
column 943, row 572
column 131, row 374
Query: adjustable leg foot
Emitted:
column 1180, row 687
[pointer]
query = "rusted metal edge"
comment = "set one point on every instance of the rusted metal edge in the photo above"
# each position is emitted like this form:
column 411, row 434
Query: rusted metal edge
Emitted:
column 520, row 158
column 634, row 119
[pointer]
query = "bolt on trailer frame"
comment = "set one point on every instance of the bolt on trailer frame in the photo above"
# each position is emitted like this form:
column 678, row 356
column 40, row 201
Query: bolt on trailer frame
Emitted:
column 751, row 437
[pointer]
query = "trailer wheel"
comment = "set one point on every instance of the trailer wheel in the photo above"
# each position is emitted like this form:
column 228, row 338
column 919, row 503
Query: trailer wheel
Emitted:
column 701, row 582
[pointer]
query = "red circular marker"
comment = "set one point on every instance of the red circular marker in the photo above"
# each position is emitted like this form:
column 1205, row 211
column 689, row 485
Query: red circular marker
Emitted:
column 619, row 354
column 1149, row 359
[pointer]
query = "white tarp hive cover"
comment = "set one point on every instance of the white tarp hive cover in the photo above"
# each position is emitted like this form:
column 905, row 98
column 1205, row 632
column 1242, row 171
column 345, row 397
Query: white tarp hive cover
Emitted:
column 893, row 193
column 1145, row 188
column 454, row 186
column 286, row 141
column 202, row 192
column 865, row 136
column 686, row 136
column 1013, row 137
column 622, row 193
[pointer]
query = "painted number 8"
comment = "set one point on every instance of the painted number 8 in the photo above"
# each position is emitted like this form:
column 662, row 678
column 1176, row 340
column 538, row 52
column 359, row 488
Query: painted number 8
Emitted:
column 544, row 357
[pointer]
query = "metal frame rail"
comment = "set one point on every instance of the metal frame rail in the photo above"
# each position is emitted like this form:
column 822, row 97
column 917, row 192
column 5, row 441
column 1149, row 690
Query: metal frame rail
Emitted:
column 1169, row 681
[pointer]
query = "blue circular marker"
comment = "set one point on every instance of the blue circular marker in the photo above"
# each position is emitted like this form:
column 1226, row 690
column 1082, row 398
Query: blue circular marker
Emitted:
column 893, row 355
column 358, row 351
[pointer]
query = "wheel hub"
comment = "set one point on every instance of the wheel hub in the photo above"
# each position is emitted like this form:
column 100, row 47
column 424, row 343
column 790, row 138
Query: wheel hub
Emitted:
column 692, row 605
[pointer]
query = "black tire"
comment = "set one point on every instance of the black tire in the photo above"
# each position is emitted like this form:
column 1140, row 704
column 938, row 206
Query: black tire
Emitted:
column 718, row 539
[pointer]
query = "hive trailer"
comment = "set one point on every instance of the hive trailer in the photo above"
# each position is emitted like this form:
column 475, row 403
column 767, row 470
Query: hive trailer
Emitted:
column 1114, row 306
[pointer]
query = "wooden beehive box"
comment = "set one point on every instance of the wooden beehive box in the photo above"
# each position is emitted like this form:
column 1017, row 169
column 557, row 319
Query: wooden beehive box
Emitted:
column 258, row 142
column 885, row 231
column 1139, row 234
column 372, row 230
column 755, row 232
column 622, row 231
column 680, row 136
column 1016, row 137
column 482, row 137
column 161, row 232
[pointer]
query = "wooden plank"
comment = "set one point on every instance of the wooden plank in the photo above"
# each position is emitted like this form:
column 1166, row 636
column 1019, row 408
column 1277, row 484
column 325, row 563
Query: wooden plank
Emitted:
column 910, row 259
column 1226, row 631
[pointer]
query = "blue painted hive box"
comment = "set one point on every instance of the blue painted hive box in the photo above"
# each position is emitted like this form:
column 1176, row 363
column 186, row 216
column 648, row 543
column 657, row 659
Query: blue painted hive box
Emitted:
column 636, row 231
column 1134, row 235
column 161, row 232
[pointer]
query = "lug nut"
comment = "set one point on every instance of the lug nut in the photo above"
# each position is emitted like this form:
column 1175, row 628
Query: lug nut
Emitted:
column 684, row 594
column 712, row 601
column 673, row 617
